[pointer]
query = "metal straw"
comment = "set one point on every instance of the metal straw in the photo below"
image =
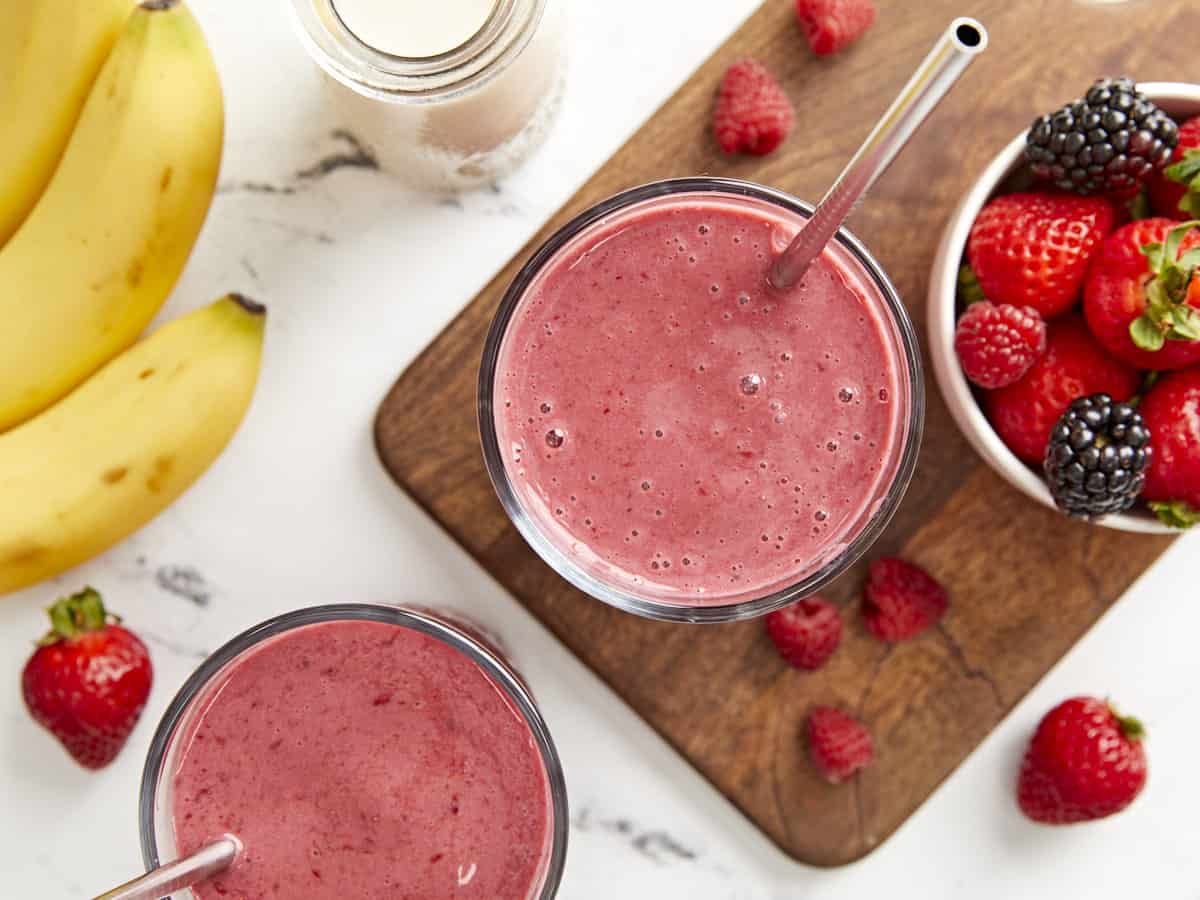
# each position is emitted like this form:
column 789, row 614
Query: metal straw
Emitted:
column 204, row 863
column 962, row 42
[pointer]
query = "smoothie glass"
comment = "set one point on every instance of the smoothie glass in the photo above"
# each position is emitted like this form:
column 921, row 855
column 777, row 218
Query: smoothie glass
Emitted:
column 156, row 802
column 845, row 534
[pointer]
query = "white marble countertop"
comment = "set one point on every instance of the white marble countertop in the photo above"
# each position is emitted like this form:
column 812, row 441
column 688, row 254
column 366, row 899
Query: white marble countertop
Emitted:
column 360, row 275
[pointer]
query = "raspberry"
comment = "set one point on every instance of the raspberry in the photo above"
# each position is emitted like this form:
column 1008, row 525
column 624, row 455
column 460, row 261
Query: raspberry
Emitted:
column 996, row 345
column 901, row 600
column 806, row 633
column 753, row 114
column 838, row 744
column 833, row 25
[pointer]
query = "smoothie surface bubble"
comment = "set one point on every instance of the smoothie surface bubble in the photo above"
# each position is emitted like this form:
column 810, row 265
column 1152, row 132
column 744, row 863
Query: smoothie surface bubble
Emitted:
column 751, row 383
column 545, row 408
column 555, row 438
column 846, row 394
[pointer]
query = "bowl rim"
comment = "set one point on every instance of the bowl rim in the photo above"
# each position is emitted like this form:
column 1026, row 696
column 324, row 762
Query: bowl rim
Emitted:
column 941, row 320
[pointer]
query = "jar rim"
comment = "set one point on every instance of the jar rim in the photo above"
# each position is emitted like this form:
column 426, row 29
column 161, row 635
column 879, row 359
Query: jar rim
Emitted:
column 494, row 667
column 415, row 80
column 770, row 599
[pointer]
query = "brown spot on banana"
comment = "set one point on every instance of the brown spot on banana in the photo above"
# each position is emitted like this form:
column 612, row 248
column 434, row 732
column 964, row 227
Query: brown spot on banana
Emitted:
column 162, row 468
column 133, row 275
column 115, row 475
column 165, row 181
column 21, row 554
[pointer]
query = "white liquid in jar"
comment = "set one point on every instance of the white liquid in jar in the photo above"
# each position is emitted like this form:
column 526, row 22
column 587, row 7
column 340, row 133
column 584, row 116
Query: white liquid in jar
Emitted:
column 414, row 28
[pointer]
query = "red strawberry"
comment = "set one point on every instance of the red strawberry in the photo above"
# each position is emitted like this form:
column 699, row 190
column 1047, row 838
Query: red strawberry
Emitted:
column 1175, row 192
column 1074, row 365
column 1084, row 762
column 1033, row 249
column 806, row 633
column 753, row 114
column 88, row 680
column 838, row 744
column 833, row 25
column 901, row 600
column 1171, row 410
column 1142, row 299
column 996, row 345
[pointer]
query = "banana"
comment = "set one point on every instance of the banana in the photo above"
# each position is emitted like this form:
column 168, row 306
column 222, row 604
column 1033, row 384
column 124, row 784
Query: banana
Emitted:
column 105, row 244
column 50, row 53
column 113, row 454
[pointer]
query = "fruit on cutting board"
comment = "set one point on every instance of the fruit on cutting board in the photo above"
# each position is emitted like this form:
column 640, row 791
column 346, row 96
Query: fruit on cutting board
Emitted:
column 105, row 244
column 806, row 633
column 88, row 680
column 901, row 600
column 50, row 54
column 1085, row 762
column 838, row 744
column 109, row 457
column 753, row 113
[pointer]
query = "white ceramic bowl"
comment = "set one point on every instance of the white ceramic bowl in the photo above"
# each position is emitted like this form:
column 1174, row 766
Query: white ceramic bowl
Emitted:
column 1181, row 101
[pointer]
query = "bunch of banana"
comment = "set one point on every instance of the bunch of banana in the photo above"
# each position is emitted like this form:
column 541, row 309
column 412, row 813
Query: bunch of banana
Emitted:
column 105, row 243
column 100, row 464
column 50, row 52
column 96, row 436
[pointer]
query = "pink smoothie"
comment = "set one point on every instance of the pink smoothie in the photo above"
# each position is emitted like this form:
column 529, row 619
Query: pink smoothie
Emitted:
column 362, row 759
column 680, row 428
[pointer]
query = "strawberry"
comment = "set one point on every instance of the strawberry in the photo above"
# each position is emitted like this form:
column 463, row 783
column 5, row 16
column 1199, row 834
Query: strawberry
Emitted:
column 806, row 633
column 1085, row 762
column 88, row 680
column 1033, row 249
column 1175, row 192
column 996, row 345
column 1142, row 297
column 838, row 744
column 753, row 114
column 901, row 600
column 1074, row 365
column 1171, row 410
column 833, row 25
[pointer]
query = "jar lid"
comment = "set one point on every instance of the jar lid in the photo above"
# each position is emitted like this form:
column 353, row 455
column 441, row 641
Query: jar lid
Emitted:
column 414, row 29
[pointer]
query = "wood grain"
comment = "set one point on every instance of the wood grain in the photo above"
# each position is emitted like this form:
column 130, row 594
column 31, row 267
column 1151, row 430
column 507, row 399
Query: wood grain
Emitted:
column 1025, row 583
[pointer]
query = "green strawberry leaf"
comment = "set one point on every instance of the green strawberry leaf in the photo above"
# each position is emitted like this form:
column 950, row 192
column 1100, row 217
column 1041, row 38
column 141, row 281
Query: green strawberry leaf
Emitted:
column 1145, row 333
column 1189, row 259
column 1190, row 204
column 1154, row 253
column 1175, row 238
column 1187, row 170
column 1176, row 513
column 1140, row 207
column 969, row 290
column 1185, row 324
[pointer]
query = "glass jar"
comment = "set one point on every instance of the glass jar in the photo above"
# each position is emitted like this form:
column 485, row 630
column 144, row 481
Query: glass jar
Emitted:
column 555, row 527
column 475, row 97
column 184, row 718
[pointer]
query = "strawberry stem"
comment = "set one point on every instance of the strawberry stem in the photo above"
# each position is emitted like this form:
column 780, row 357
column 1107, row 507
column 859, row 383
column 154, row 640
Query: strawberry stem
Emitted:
column 1132, row 728
column 75, row 615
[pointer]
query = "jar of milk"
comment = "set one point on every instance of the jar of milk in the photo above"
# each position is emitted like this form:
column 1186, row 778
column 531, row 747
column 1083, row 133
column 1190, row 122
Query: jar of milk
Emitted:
column 449, row 94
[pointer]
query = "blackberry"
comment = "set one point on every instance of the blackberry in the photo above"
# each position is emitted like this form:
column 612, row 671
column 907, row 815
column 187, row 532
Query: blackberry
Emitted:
column 1106, row 142
column 1096, row 460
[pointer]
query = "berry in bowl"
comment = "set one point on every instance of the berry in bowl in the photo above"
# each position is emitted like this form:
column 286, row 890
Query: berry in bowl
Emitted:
column 1064, row 308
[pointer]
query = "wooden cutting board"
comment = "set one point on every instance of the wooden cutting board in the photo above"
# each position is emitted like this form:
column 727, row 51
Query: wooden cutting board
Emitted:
column 1025, row 583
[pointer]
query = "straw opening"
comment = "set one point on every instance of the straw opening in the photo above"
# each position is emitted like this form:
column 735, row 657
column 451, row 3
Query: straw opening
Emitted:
column 969, row 35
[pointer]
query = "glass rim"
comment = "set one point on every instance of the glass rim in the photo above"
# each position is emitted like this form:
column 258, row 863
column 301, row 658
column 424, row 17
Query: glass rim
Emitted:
column 493, row 665
column 620, row 598
column 375, row 73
